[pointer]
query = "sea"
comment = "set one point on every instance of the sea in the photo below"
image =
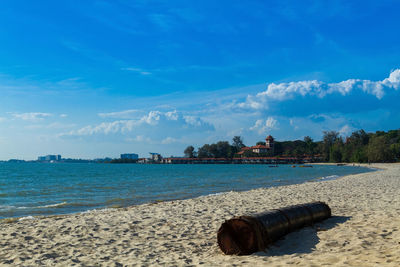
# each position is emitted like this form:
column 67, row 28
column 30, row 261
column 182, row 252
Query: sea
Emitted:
column 41, row 189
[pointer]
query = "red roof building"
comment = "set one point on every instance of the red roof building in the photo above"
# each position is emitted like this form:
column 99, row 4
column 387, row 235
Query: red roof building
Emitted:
column 269, row 144
column 260, row 149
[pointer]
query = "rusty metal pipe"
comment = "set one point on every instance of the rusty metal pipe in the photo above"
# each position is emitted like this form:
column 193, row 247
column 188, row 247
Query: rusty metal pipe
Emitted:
column 245, row 235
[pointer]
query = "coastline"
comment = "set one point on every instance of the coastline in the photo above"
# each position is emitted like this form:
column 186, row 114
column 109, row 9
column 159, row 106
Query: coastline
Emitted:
column 364, row 229
column 78, row 190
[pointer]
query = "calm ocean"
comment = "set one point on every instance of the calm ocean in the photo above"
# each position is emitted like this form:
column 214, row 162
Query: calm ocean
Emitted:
column 29, row 189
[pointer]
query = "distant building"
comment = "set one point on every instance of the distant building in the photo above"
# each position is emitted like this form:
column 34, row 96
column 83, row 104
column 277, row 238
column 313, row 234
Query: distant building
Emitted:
column 16, row 160
column 259, row 149
column 156, row 157
column 129, row 156
column 269, row 142
column 49, row 158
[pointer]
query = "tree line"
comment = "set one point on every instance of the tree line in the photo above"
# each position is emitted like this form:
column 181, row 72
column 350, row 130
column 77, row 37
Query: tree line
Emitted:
column 360, row 147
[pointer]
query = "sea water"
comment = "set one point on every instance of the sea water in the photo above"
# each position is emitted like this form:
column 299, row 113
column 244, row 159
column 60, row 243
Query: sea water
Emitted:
column 31, row 189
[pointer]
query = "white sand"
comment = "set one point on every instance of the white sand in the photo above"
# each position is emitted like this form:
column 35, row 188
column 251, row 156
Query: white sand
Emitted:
column 365, row 229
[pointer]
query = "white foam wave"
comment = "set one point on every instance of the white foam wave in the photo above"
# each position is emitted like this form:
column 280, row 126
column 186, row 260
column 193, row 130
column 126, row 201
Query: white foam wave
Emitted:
column 26, row 218
column 95, row 211
column 8, row 208
column 329, row 177
column 5, row 207
column 53, row 205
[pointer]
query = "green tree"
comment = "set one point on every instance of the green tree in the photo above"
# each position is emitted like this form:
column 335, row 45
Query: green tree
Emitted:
column 189, row 152
column 329, row 138
column 237, row 142
column 395, row 150
column 310, row 145
column 204, row 151
column 336, row 150
column 379, row 150
column 221, row 149
column 359, row 155
column 224, row 149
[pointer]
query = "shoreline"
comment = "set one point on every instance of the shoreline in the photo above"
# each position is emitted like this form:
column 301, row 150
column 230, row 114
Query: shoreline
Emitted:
column 364, row 229
column 157, row 201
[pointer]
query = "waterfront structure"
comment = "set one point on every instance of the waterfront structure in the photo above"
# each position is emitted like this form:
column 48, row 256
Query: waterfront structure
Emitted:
column 259, row 149
column 129, row 156
column 269, row 142
column 49, row 158
column 154, row 158
column 243, row 160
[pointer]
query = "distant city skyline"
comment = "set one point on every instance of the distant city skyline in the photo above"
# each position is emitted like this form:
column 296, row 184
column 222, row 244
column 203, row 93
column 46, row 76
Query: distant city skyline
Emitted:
column 96, row 79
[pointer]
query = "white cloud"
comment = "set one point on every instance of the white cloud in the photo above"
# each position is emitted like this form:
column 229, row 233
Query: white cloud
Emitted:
column 152, row 118
column 137, row 70
column 263, row 126
column 192, row 120
column 105, row 128
column 31, row 116
column 393, row 80
column 290, row 90
column 172, row 115
column 314, row 125
column 63, row 115
column 346, row 130
column 155, row 124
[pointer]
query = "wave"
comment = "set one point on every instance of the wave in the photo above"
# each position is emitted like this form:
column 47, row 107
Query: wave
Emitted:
column 57, row 205
column 26, row 218
column 96, row 210
column 8, row 208
column 329, row 177
column 5, row 207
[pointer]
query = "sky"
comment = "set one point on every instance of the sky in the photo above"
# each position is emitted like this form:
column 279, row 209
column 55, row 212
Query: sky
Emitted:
column 94, row 79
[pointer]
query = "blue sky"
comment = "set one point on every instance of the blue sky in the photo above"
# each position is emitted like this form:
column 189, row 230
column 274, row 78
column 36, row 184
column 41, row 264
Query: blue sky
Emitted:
column 92, row 79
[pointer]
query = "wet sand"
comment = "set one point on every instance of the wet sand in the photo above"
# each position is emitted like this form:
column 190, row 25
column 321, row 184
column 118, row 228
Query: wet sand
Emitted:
column 364, row 229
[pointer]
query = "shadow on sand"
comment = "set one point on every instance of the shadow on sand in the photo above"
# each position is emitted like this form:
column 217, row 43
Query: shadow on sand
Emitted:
column 303, row 240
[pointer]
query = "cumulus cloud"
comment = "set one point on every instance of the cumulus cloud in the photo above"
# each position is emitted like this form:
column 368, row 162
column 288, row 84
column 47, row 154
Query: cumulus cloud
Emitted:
column 155, row 124
column 290, row 90
column 153, row 118
column 193, row 121
column 172, row 115
column 105, row 128
column 31, row 116
column 262, row 126
column 346, row 130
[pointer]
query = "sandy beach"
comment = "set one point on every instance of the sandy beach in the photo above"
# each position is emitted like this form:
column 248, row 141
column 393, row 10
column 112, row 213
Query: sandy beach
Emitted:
column 364, row 229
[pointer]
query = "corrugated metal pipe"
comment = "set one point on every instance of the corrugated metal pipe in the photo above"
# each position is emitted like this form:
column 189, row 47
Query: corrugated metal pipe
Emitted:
column 245, row 235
